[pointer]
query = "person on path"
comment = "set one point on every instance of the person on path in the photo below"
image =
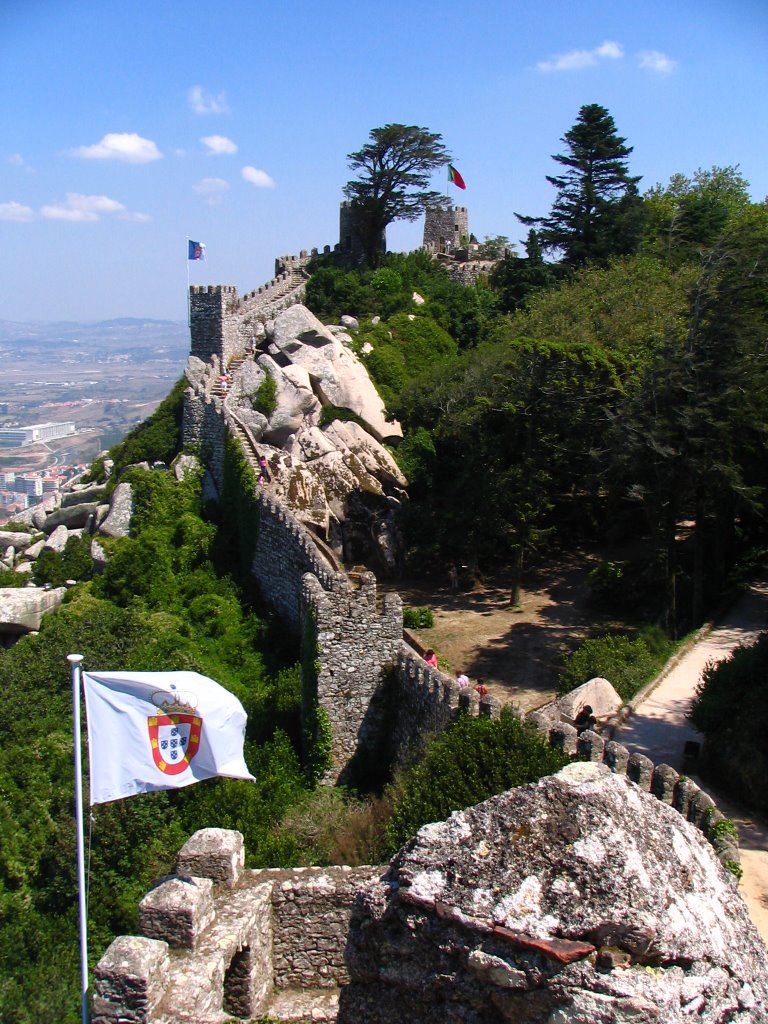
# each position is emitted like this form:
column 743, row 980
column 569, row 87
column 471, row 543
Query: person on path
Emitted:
column 264, row 474
column 431, row 658
column 462, row 680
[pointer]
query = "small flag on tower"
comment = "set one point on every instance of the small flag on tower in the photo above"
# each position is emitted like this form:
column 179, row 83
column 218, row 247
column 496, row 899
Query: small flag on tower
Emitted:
column 196, row 250
column 454, row 177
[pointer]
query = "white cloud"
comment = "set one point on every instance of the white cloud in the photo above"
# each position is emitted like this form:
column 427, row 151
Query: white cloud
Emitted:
column 212, row 189
column 610, row 49
column 258, row 178
column 126, row 146
column 654, row 60
column 137, row 218
column 17, row 160
column 218, row 144
column 575, row 60
column 78, row 207
column 17, row 212
column 203, row 102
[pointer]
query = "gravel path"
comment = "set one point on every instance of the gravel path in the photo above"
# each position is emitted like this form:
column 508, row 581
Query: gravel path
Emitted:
column 658, row 728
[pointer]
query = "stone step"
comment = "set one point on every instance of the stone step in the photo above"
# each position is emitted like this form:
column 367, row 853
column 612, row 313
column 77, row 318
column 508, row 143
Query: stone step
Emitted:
column 303, row 1006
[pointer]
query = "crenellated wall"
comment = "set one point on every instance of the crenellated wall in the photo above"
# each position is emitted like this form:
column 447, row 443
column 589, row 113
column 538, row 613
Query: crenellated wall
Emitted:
column 217, row 941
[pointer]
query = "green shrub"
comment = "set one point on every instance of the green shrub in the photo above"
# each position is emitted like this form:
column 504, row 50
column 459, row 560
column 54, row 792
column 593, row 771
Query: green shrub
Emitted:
column 628, row 664
column 329, row 413
column 472, row 760
column 731, row 710
column 605, row 582
column 264, row 398
column 418, row 618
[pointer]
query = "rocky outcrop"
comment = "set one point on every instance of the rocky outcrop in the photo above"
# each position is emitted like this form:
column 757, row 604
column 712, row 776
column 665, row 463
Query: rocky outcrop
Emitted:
column 334, row 474
column 22, row 608
column 575, row 899
column 598, row 693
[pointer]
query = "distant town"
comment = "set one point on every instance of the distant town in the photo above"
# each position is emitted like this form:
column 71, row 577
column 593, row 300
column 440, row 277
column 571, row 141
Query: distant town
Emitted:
column 71, row 390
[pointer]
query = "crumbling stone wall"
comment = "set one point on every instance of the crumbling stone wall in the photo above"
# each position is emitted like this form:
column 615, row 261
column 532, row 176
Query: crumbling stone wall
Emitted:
column 217, row 941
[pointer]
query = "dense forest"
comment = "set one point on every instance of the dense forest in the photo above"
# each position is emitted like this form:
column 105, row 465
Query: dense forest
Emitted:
column 608, row 387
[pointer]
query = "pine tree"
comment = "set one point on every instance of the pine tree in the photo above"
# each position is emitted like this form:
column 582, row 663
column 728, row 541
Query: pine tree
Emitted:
column 598, row 211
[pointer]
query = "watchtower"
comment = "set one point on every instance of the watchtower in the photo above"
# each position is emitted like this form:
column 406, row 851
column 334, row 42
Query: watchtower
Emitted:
column 351, row 238
column 446, row 229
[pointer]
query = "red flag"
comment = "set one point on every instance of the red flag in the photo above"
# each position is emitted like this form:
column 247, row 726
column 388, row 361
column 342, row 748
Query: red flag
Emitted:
column 455, row 177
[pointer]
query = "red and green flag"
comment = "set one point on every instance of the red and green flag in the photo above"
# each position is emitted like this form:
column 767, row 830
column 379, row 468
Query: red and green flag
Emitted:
column 454, row 177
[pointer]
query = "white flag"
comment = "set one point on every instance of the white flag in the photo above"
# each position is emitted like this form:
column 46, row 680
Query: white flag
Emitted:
column 160, row 730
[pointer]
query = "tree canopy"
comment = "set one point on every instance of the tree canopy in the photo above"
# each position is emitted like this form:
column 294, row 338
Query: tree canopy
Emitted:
column 395, row 167
column 598, row 210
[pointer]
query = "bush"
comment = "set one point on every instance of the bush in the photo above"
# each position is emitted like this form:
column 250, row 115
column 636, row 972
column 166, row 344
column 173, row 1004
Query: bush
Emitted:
column 472, row 760
column 264, row 398
column 418, row 618
column 627, row 664
column 731, row 709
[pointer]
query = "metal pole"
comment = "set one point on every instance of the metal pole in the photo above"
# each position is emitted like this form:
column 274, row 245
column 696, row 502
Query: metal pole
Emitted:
column 74, row 660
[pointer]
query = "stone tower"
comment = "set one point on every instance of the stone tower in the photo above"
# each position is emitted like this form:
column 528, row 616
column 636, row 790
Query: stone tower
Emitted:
column 350, row 238
column 446, row 230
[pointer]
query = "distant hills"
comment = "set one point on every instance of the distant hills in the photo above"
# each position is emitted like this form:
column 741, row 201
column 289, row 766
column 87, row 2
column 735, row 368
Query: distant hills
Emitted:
column 132, row 339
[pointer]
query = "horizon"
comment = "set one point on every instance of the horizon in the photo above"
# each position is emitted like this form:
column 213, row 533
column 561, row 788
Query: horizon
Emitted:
column 136, row 129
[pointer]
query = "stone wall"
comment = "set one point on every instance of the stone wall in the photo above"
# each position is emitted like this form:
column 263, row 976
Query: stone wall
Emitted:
column 336, row 620
column 427, row 701
column 357, row 644
column 218, row 941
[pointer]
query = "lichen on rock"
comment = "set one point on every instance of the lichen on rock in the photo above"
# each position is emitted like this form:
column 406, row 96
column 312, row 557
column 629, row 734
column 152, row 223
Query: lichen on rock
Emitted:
column 592, row 902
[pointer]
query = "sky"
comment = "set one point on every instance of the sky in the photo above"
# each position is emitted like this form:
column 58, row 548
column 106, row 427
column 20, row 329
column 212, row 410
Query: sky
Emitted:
column 129, row 127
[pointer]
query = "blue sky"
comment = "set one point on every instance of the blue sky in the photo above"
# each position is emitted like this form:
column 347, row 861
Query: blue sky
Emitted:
column 128, row 127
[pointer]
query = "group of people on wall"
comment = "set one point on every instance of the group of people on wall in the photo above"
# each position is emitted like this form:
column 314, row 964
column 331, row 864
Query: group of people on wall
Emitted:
column 462, row 679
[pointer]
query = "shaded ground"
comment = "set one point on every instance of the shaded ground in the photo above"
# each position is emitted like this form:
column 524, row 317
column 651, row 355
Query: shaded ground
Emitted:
column 517, row 652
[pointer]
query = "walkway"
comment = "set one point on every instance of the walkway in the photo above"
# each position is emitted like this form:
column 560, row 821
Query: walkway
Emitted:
column 658, row 728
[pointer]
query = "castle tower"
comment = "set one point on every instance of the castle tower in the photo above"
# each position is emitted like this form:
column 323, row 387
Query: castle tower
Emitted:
column 213, row 322
column 350, row 238
column 446, row 230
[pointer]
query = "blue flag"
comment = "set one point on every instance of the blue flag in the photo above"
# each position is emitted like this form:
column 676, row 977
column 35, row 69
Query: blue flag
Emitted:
column 196, row 250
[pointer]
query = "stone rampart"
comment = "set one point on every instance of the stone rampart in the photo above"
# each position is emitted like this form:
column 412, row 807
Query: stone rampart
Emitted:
column 427, row 701
column 217, row 941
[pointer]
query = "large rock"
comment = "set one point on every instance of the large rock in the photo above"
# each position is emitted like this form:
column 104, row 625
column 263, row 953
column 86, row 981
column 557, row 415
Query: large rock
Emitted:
column 598, row 693
column 83, row 494
column 579, row 898
column 58, row 538
column 22, row 608
column 73, row 516
column 118, row 522
column 15, row 539
column 338, row 377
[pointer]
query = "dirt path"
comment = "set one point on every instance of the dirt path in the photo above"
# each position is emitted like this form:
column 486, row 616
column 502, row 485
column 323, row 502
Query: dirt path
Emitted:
column 516, row 651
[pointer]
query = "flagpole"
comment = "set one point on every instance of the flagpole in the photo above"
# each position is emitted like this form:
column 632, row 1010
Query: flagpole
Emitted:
column 74, row 660
column 189, row 306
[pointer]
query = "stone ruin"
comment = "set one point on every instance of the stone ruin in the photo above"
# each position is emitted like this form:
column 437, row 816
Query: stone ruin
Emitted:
column 578, row 899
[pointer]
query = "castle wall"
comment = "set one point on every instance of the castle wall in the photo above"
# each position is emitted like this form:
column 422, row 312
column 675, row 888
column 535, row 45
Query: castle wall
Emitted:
column 357, row 646
column 427, row 702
